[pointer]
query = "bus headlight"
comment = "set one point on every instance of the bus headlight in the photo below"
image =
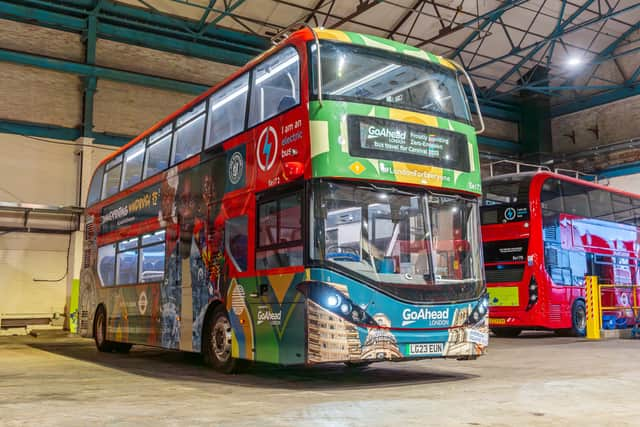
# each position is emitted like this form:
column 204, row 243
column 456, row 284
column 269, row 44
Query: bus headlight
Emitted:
column 480, row 311
column 533, row 293
column 334, row 301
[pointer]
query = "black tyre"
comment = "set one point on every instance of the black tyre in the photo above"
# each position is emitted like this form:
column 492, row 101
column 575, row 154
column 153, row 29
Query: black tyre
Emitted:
column 506, row 332
column 216, row 343
column 122, row 347
column 100, row 331
column 579, row 319
column 356, row 366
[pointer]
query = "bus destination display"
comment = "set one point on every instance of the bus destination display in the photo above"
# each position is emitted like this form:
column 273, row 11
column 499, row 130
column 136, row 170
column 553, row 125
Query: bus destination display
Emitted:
column 391, row 140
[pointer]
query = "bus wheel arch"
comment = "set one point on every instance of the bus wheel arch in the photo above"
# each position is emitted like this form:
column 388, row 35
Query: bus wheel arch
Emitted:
column 578, row 320
column 216, row 340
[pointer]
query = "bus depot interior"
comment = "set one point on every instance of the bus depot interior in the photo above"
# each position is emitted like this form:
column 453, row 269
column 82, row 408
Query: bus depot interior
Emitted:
column 267, row 212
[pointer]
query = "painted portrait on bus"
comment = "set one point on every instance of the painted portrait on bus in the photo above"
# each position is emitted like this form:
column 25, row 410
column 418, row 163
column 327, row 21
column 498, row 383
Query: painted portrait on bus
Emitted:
column 205, row 248
column 170, row 292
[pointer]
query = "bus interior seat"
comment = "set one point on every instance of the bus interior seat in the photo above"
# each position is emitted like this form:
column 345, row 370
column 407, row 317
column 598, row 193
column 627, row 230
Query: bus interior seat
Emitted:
column 286, row 102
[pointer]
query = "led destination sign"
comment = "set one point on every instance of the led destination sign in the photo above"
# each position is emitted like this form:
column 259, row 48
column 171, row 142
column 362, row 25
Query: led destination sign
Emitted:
column 391, row 140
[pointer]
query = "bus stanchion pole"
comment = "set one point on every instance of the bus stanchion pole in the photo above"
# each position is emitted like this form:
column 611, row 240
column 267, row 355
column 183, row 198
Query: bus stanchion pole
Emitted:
column 593, row 309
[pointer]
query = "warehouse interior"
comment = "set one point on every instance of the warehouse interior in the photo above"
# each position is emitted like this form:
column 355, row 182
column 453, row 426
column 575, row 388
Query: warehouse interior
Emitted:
column 558, row 85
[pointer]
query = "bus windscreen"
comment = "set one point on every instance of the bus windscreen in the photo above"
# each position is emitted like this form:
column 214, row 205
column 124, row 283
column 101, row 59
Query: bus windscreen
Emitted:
column 368, row 75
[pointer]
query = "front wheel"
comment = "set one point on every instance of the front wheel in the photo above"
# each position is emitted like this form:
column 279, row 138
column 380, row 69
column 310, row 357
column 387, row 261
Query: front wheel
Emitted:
column 217, row 338
column 506, row 332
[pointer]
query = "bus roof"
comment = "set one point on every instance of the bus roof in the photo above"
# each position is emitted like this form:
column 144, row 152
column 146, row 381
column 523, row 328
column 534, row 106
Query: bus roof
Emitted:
column 532, row 175
column 306, row 34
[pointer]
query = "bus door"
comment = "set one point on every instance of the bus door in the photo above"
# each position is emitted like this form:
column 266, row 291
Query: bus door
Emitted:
column 277, row 306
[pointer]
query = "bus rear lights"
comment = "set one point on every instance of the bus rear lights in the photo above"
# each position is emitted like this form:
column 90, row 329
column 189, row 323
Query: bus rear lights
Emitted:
column 293, row 169
column 533, row 293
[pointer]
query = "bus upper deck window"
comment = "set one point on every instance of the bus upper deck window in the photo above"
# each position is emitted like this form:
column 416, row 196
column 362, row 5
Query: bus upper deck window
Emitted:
column 111, row 179
column 158, row 152
column 189, row 133
column 275, row 86
column 96, row 186
column 227, row 110
column 133, row 159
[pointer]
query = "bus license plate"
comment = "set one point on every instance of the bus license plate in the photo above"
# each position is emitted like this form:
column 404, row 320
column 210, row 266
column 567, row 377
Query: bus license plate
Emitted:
column 426, row 349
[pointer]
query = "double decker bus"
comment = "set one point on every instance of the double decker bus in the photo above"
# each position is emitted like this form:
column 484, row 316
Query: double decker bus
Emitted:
column 543, row 233
column 319, row 205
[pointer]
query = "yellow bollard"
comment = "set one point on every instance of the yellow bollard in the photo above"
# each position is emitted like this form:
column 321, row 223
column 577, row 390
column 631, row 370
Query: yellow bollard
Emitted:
column 593, row 308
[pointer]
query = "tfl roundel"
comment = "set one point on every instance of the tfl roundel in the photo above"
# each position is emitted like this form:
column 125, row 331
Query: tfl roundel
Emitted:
column 267, row 148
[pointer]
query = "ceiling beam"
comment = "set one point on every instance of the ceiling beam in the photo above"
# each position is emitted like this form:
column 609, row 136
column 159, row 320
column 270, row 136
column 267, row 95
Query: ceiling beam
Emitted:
column 143, row 28
column 86, row 70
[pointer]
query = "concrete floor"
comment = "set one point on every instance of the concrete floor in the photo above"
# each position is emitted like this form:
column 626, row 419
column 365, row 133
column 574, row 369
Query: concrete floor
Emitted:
column 534, row 380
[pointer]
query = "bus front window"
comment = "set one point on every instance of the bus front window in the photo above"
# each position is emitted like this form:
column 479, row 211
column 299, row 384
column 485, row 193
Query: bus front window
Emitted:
column 383, row 236
column 362, row 74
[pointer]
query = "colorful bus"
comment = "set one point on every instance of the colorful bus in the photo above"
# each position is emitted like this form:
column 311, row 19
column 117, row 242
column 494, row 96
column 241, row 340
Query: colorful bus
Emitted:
column 320, row 205
column 542, row 234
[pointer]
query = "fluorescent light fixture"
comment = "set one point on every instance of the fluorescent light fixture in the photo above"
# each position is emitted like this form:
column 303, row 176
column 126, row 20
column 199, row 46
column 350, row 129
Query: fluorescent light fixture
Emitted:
column 136, row 153
column 230, row 97
column 277, row 69
column 366, row 79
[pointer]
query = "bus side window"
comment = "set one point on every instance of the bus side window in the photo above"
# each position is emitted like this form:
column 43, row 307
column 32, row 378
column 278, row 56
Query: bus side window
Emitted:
column 132, row 170
column 601, row 207
column 111, row 180
column 96, row 187
column 280, row 232
column 275, row 86
column 622, row 209
column 127, row 262
column 151, row 257
column 236, row 241
column 157, row 158
column 227, row 111
column 107, row 264
column 575, row 199
column 636, row 210
column 187, row 140
column 550, row 196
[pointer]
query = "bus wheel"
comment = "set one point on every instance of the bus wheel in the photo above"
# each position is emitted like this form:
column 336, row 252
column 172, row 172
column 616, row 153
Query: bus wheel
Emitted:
column 579, row 319
column 506, row 332
column 100, row 332
column 217, row 339
column 357, row 366
column 122, row 347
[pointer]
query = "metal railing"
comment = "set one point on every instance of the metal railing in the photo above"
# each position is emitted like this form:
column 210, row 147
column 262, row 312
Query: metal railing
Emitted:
column 503, row 167
column 595, row 309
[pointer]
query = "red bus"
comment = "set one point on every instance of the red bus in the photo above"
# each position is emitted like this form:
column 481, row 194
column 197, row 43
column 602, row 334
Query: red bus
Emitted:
column 542, row 234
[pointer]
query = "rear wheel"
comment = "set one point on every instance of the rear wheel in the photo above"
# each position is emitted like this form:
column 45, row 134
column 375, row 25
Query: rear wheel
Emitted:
column 122, row 347
column 506, row 332
column 100, row 332
column 216, row 345
column 578, row 321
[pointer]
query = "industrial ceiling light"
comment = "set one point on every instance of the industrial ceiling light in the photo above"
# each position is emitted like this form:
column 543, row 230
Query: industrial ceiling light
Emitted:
column 574, row 61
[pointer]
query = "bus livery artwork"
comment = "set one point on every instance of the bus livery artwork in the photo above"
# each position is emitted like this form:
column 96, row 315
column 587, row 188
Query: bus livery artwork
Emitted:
column 267, row 222
column 542, row 234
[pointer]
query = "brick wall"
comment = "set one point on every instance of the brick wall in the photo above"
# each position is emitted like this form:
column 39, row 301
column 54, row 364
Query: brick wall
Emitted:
column 616, row 121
